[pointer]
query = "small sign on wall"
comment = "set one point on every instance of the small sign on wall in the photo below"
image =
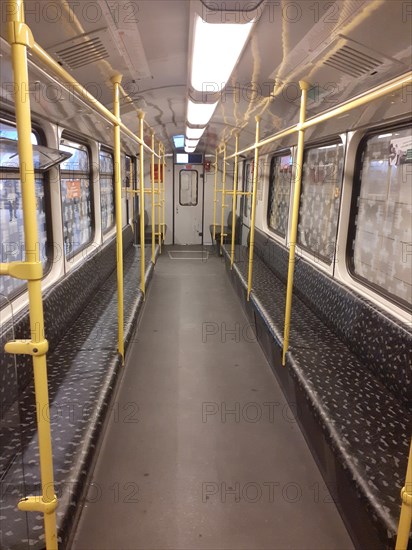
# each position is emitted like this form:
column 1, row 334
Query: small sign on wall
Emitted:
column 73, row 189
column 156, row 173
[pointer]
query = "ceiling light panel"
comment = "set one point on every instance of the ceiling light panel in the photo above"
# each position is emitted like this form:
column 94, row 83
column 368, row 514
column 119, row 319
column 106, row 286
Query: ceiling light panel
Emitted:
column 199, row 114
column 216, row 49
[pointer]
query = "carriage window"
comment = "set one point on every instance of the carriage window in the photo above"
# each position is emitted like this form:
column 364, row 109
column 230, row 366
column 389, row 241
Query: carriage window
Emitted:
column 11, row 217
column 247, row 187
column 320, row 199
column 106, row 189
column 382, row 235
column 188, row 188
column 279, row 193
column 76, row 192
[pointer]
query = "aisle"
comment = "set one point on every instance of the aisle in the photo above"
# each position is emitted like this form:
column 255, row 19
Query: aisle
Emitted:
column 201, row 450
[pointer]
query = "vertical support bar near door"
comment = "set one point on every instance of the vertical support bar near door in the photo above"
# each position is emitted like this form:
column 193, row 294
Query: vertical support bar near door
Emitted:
column 234, row 202
column 20, row 37
column 163, row 193
column 215, row 198
column 253, row 214
column 222, row 220
column 117, row 80
column 159, row 211
column 405, row 519
column 304, row 86
column 152, row 171
column 142, row 206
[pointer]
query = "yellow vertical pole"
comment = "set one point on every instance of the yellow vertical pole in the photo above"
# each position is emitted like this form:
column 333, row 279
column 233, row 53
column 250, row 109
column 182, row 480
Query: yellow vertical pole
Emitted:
column 153, row 200
column 163, row 193
column 20, row 37
column 215, row 197
column 222, row 219
column 253, row 214
column 142, row 235
column 159, row 213
column 405, row 519
column 304, row 86
column 117, row 80
column 234, row 202
column 131, row 212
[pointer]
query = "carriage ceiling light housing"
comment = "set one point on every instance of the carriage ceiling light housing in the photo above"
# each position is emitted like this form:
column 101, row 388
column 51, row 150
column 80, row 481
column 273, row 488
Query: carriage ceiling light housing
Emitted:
column 190, row 149
column 199, row 114
column 216, row 50
column 194, row 133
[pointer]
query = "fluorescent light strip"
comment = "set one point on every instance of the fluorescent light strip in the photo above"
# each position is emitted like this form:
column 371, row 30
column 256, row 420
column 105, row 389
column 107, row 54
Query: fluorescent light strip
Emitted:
column 194, row 133
column 191, row 142
column 216, row 50
column 199, row 114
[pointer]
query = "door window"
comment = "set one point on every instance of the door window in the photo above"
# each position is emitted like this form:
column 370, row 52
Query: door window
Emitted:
column 188, row 191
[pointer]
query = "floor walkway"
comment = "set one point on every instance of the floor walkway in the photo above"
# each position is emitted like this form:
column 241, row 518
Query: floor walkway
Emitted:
column 201, row 450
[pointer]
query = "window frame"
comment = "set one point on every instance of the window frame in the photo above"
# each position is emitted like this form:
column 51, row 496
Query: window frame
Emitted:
column 106, row 149
column 76, row 140
column 37, row 130
column 276, row 154
column 197, row 187
column 353, row 214
column 330, row 140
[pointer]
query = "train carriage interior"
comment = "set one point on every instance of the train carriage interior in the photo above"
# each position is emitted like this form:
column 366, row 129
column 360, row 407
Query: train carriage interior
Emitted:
column 206, row 274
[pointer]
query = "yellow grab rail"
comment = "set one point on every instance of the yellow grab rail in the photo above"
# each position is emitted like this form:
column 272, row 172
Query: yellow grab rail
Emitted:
column 31, row 269
column 253, row 213
column 405, row 519
column 159, row 212
column 163, row 194
column 153, row 199
column 304, row 86
column 380, row 91
column 116, row 80
column 141, row 203
column 223, row 206
column 215, row 197
column 234, row 202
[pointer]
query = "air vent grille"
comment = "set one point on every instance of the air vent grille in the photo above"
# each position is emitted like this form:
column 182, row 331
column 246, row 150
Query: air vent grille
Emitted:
column 83, row 53
column 353, row 62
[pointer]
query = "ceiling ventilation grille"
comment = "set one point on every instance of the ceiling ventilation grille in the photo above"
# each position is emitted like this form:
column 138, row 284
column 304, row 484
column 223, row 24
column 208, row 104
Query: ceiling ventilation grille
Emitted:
column 353, row 62
column 77, row 55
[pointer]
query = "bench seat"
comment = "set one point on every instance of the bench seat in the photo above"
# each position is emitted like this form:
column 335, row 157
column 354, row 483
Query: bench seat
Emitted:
column 83, row 366
column 357, row 429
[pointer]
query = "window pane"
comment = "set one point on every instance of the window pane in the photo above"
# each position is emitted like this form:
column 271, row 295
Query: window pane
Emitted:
column 106, row 190
column 76, row 198
column 12, row 232
column 79, row 161
column 279, row 193
column 188, row 188
column 247, row 186
column 383, row 235
column 11, row 219
column 320, row 199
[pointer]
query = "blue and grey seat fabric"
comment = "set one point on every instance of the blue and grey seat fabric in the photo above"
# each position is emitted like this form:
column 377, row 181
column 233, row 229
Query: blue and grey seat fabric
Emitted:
column 83, row 363
column 349, row 374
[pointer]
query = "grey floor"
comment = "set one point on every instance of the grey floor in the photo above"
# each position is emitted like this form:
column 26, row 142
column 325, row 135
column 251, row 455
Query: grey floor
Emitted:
column 201, row 449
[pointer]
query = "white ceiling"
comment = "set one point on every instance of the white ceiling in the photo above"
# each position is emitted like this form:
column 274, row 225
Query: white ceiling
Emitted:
column 148, row 42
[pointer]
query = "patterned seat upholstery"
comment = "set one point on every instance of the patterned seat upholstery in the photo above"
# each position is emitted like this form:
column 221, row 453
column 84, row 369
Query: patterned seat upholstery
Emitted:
column 358, row 406
column 81, row 325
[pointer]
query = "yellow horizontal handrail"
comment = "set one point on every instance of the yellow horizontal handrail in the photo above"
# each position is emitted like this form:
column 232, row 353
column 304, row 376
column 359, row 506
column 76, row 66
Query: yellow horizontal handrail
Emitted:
column 43, row 56
column 378, row 92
